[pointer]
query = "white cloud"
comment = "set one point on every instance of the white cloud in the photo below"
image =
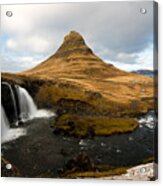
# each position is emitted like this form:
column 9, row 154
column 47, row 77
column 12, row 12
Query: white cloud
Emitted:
column 116, row 31
column 135, row 61
column 126, row 57
column 11, row 44
column 14, row 63
column 32, row 44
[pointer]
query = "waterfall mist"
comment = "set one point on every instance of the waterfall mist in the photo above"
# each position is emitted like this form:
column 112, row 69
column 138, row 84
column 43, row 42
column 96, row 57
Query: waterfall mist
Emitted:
column 7, row 133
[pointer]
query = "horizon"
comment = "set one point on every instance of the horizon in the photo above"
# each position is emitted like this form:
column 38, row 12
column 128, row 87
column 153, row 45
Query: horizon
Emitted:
column 29, row 40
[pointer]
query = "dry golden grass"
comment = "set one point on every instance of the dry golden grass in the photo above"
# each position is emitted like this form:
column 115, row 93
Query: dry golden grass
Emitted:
column 96, row 174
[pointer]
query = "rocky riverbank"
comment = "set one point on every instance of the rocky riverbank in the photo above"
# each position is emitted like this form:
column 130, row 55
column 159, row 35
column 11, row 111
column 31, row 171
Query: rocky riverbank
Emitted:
column 105, row 155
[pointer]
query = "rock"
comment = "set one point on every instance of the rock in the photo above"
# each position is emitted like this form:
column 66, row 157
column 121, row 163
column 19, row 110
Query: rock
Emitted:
column 82, row 143
column 130, row 138
column 63, row 152
column 13, row 172
column 103, row 144
column 144, row 172
column 118, row 150
column 81, row 162
column 93, row 95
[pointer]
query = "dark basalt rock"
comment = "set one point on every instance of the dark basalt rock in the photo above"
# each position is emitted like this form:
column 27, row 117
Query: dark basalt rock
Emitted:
column 11, row 109
column 13, row 172
column 81, row 162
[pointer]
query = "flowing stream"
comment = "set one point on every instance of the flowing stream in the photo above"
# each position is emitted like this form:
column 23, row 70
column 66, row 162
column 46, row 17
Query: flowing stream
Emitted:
column 117, row 150
column 41, row 150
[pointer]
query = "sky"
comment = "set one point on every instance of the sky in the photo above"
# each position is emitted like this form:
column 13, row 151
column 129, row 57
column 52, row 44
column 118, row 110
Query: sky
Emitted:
column 117, row 32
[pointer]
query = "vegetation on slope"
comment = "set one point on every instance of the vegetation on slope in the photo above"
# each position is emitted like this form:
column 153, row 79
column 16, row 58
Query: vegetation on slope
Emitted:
column 84, row 126
column 95, row 99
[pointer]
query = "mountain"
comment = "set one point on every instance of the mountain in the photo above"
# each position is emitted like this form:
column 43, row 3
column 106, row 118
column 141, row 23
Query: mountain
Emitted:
column 149, row 73
column 75, row 81
column 75, row 59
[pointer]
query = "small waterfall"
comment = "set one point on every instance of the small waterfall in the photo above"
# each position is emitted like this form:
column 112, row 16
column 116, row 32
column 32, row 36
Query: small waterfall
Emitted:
column 149, row 120
column 24, row 108
column 27, row 106
column 12, row 97
column 4, row 123
column 7, row 133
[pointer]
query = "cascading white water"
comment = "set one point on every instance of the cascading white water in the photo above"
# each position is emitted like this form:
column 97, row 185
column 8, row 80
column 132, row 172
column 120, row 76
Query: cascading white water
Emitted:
column 27, row 106
column 7, row 133
column 149, row 120
column 4, row 123
column 28, row 110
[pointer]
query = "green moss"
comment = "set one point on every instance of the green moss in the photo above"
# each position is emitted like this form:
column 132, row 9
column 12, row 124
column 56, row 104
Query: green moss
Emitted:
column 82, row 126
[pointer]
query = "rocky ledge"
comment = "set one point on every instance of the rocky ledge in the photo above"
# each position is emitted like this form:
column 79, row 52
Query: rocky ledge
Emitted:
column 144, row 172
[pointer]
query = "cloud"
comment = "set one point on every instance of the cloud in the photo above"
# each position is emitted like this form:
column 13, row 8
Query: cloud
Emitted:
column 14, row 63
column 32, row 44
column 116, row 31
column 135, row 61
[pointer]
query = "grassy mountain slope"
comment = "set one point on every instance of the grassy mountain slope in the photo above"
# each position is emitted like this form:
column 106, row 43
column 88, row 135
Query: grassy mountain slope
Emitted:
column 75, row 81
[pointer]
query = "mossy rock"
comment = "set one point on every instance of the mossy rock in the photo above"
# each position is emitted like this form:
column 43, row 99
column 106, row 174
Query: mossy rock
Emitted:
column 84, row 126
column 81, row 166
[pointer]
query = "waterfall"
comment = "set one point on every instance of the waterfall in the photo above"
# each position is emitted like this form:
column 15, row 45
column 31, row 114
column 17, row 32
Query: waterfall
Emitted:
column 4, row 123
column 27, row 106
column 12, row 97
column 23, row 105
column 7, row 133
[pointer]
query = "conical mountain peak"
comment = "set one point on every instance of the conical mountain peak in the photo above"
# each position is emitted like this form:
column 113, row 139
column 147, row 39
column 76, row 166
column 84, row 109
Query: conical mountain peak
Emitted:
column 75, row 57
column 73, row 46
column 74, row 36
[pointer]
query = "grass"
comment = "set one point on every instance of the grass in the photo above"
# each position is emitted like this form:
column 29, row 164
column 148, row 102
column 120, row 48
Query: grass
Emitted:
column 149, row 160
column 96, row 174
column 52, row 94
column 128, row 95
column 96, row 171
column 82, row 126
